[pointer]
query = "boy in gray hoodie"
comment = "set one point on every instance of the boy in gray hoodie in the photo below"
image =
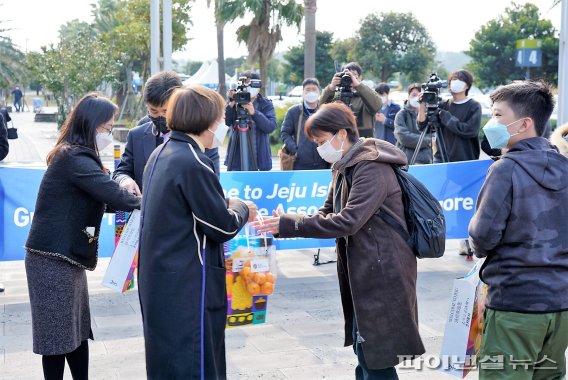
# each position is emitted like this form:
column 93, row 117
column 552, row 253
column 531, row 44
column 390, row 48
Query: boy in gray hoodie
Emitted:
column 520, row 227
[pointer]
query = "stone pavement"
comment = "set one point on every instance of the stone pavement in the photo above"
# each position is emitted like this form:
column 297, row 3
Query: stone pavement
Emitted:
column 302, row 338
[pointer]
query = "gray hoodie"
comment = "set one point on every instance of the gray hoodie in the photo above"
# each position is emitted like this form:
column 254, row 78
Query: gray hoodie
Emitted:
column 520, row 226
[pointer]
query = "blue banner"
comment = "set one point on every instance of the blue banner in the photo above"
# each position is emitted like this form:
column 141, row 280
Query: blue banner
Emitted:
column 456, row 185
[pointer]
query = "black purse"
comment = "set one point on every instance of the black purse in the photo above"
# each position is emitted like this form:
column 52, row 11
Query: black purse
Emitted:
column 12, row 132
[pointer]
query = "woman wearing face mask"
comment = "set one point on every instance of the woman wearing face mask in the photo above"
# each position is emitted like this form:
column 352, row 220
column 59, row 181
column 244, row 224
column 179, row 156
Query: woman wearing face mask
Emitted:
column 292, row 132
column 406, row 131
column 185, row 221
column 376, row 267
column 64, row 236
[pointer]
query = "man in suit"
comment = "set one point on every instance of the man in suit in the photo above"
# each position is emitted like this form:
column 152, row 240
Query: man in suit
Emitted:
column 151, row 132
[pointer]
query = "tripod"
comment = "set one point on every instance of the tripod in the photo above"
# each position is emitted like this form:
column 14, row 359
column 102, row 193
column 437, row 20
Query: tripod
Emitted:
column 242, row 141
column 432, row 127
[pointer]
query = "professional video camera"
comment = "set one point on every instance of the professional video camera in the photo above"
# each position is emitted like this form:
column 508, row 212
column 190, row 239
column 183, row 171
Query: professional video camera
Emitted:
column 242, row 94
column 431, row 94
column 344, row 91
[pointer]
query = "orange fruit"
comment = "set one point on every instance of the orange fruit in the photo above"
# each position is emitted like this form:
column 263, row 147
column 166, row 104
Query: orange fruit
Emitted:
column 253, row 288
column 269, row 277
column 259, row 278
column 246, row 273
column 267, row 288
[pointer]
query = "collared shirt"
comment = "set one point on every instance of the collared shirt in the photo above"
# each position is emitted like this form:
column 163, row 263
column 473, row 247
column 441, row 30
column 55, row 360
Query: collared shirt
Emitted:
column 194, row 137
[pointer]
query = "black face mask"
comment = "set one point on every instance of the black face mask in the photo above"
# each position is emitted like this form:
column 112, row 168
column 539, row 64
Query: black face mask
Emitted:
column 160, row 124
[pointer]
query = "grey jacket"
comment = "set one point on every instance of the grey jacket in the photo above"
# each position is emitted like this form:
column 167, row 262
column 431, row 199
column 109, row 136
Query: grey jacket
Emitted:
column 520, row 226
column 407, row 136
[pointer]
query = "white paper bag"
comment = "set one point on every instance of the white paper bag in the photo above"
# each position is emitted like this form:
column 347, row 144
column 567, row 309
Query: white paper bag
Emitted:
column 462, row 335
column 120, row 272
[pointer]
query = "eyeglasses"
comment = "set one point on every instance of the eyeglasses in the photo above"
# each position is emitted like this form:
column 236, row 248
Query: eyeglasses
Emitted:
column 108, row 130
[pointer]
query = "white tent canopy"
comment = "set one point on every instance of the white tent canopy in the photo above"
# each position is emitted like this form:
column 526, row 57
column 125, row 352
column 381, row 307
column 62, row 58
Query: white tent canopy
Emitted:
column 207, row 75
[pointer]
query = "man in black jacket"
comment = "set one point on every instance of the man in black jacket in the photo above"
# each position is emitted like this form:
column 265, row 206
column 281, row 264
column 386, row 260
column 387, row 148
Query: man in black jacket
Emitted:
column 4, row 146
column 459, row 120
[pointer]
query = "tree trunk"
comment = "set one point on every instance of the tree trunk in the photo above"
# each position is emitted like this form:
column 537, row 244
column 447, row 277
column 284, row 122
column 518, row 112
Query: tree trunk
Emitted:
column 263, row 63
column 310, row 7
column 221, row 59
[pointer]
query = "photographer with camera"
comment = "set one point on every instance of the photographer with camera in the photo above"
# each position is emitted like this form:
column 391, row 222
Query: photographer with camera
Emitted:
column 251, row 118
column 346, row 87
column 459, row 119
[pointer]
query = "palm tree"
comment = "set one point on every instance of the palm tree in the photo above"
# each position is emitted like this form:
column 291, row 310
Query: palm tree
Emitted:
column 310, row 7
column 264, row 31
column 220, row 24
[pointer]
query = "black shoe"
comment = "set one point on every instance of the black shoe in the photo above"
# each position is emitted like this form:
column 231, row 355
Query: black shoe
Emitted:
column 1, row 288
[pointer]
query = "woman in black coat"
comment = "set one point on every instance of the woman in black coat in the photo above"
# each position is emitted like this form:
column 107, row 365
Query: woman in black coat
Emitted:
column 185, row 221
column 64, row 236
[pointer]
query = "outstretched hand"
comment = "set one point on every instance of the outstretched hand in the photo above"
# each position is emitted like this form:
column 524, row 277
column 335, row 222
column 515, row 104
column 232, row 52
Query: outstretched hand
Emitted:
column 268, row 224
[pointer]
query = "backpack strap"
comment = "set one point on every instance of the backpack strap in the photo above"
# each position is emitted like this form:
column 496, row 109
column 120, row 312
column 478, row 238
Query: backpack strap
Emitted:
column 381, row 212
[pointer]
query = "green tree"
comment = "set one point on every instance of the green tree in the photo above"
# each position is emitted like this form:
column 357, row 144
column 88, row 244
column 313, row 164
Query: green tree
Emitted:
column 11, row 68
column 395, row 42
column 343, row 51
column 493, row 47
column 263, row 33
column 232, row 64
column 80, row 63
column 293, row 69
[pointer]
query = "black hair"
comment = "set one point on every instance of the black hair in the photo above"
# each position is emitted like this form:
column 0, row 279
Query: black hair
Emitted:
column 250, row 74
column 464, row 76
column 308, row 81
column 332, row 117
column 528, row 98
column 159, row 87
column 352, row 66
column 382, row 88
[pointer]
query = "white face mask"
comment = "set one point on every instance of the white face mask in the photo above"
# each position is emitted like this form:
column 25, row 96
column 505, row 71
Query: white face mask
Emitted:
column 254, row 92
column 219, row 134
column 328, row 152
column 311, row 97
column 103, row 140
column 414, row 102
column 457, row 86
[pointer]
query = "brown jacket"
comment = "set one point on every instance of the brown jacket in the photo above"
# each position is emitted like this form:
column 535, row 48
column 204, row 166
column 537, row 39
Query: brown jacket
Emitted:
column 376, row 268
column 365, row 104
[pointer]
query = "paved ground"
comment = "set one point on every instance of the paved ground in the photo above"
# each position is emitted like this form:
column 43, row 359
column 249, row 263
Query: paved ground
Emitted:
column 302, row 338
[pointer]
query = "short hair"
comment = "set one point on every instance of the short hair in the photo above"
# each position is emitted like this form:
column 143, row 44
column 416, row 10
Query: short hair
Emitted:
column 159, row 87
column 250, row 74
column 352, row 66
column 528, row 98
column 414, row 86
column 194, row 109
column 382, row 88
column 332, row 117
column 464, row 76
column 309, row 81
column 80, row 126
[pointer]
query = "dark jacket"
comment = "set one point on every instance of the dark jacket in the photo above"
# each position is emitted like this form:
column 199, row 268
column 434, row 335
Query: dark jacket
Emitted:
column 263, row 123
column 459, row 127
column 365, row 104
column 408, row 135
column 520, row 226
column 72, row 197
column 140, row 143
column 385, row 130
column 185, row 223
column 307, row 156
column 376, row 267
column 4, row 145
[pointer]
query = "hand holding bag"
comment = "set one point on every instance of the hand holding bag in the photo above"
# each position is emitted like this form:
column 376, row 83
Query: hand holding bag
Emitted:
column 12, row 132
column 286, row 158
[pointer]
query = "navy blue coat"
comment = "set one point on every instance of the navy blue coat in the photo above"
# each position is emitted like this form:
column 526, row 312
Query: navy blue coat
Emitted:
column 186, row 220
column 140, row 144
column 4, row 146
column 263, row 124
column 385, row 130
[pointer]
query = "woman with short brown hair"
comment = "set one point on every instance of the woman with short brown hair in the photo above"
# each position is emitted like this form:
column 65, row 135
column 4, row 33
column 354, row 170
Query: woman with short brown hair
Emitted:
column 185, row 221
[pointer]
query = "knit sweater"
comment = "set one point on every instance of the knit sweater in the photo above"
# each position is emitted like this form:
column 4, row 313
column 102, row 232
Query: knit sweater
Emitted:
column 70, row 205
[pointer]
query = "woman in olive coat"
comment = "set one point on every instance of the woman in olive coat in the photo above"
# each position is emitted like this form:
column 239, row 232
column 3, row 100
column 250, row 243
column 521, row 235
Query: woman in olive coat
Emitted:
column 376, row 267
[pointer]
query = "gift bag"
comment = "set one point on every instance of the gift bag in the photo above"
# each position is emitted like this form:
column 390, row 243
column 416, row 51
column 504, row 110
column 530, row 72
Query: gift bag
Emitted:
column 462, row 335
column 251, row 276
column 119, row 275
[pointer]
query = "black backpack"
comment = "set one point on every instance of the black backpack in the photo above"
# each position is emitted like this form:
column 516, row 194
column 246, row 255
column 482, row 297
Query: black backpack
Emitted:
column 424, row 216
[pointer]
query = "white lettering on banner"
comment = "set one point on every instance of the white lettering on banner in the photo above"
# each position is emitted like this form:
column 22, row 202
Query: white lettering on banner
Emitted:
column 453, row 204
column 22, row 217
column 305, row 210
column 320, row 191
column 232, row 193
column 288, row 193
